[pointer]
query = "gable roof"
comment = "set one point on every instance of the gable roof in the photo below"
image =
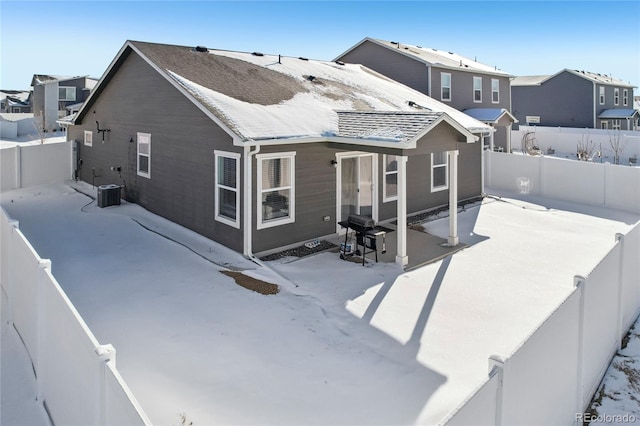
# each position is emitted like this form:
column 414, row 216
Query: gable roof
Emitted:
column 45, row 78
column 536, row 80
column 257, row 97
column 490, row 115
column 435, row 57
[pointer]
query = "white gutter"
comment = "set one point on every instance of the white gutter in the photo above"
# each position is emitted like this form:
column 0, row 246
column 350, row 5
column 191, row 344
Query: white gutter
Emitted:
column 247, row 244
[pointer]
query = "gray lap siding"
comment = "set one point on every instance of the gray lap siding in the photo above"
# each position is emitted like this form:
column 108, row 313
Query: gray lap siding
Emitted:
column 183, row 140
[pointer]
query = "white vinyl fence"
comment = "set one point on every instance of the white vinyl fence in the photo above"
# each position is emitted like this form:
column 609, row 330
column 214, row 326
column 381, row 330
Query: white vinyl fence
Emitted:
column 551, row 377
column 30, row 165
column 76, row 377
column 565, row 141
column 582, row 182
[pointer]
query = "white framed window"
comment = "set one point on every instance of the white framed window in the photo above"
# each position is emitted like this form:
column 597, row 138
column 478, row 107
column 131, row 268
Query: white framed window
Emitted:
column 276, row 189
column 601, row 95
column 616, row 96
column 604, row 124
column 445, row 86
column 88, row 138
column 615, row 124
column 495, row 90
column 66, row 93
column 227, row 183
column 625, row 97
column 390, row 188
column 477, row 89
column 439, row 171
column 144, row 155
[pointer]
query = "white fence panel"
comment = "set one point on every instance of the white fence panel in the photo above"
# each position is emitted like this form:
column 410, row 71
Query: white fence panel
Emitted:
column 575, row 181
column 480, row 409
column 8, row 168
column 631, row 277
column 45, row 163
column 565, row 140
column 515, row 173
column 70, row 373
column 622, row 187
column 540, row 377
column 73, row 377
column 601, row 316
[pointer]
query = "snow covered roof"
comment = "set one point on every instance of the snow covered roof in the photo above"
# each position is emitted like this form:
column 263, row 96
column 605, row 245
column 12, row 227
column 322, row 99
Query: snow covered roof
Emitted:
column 536, row 80
column 436, row 57
column 45, row 78
column 20, row 95
column 619, row 113
column 489, row 115
column 256, row 96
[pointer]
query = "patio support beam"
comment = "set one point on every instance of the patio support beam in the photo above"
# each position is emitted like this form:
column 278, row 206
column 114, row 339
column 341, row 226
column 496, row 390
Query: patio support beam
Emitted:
column 453, row 239
column 401, row 253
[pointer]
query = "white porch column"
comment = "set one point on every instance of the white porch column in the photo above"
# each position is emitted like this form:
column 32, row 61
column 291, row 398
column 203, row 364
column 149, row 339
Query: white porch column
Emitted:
column 401, row 253
column 453, row 198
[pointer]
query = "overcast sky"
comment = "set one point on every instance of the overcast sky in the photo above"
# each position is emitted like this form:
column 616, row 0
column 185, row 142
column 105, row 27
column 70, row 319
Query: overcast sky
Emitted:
column 519, row 37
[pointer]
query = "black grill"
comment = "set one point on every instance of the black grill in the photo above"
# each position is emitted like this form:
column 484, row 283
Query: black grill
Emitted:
column 367, row 233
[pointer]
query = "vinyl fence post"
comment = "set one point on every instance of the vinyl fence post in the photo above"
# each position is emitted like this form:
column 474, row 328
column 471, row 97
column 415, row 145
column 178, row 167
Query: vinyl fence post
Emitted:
column 579, row 282
column 106, row 354
column 620, row 331
column 11, row 269
column 41, row 321
column 497, row 366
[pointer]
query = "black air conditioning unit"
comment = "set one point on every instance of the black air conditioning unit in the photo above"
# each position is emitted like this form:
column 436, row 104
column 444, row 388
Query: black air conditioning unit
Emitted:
column 108, row 195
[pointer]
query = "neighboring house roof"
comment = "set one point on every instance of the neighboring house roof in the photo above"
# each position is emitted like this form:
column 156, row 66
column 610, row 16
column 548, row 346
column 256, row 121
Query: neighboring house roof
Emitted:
column 268, row 97
column 489, row 115
column 431, row 56
column 618, row 113
column 45, row 78
column 536, row 80
column 16, row 95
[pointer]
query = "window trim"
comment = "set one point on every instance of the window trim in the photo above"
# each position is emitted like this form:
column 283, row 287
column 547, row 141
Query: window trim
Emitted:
column 88, row 138
column 217, row 154
column 477, row 78
column 146, row 174
column 604, row 124
column 67, row 99
column 445, row 165
column 442, row 87
column 386, row 198
column 616, row 96
column 260, row 223
column 496, row 91
column 625, row 97
column 602, row 95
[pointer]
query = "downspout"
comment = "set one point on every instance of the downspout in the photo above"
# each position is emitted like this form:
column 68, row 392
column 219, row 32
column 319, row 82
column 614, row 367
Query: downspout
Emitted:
column 429, row 80
column 247, row 245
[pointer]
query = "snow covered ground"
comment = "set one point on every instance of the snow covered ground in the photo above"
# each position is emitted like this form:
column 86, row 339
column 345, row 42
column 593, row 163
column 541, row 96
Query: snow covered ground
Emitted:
column 340, row 343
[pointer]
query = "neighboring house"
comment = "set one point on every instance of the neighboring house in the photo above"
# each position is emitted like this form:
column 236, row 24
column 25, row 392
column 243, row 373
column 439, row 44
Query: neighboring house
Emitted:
column 261, row 152
column 572, row 98
column 478, row 90
column 15, row 101
column 52, row 94
column 16, row 124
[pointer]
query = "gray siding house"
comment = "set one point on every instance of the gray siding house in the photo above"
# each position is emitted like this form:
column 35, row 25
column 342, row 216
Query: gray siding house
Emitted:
column 572, row 98
column 261, row 152
column 478, row 90
column 52, row 94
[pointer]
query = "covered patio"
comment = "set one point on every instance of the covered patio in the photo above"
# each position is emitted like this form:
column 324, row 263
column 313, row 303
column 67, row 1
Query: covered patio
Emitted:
column 422, row 248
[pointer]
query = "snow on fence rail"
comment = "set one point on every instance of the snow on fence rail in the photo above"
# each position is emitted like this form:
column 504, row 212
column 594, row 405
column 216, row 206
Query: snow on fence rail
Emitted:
column 551, row 377
column 582, row 182
column 30, row 165
column 565, row 140
column 76, row 378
